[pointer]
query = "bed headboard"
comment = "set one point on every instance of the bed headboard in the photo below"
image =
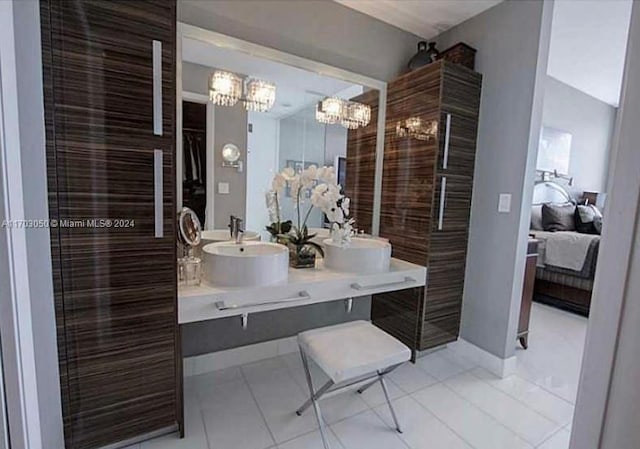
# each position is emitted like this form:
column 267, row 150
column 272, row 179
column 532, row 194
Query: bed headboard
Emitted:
column 551, row 192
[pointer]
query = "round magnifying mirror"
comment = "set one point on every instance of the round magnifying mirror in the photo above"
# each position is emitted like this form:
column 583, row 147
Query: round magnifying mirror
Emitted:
column 190, row 231
column 230, row 152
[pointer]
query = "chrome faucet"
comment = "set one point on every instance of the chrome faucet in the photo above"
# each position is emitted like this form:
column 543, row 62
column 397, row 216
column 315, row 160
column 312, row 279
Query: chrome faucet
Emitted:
column 235, row 226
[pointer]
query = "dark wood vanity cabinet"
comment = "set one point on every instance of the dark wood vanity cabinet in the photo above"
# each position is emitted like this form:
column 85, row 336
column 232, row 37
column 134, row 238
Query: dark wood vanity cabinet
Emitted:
column 426, row 199
column 109, row 92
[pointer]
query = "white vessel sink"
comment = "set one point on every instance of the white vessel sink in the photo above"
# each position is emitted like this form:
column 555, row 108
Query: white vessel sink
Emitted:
column 245, row 264
column 223, row 235
column 362, row 255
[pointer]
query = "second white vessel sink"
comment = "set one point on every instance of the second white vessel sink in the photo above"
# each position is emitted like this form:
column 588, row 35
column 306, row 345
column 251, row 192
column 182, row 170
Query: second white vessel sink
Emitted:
column 362, row 255
column 246, row 264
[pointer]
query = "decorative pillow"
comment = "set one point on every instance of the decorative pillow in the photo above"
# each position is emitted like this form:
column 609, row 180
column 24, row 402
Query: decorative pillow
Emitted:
column 536, row 218
column 588, row 219
column 558, row 217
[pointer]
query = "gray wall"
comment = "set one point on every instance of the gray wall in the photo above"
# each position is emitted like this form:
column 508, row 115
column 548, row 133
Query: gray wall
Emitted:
column 321, row 30
column 507, row 38
column 206, row 336
column 591, row 122
column 230, row 126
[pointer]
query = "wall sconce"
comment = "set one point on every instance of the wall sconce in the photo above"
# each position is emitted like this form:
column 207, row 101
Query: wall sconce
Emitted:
column 414, row 127
column 230, row 157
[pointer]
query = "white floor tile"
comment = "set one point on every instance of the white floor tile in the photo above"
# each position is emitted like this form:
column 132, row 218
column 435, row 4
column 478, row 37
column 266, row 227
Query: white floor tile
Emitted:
column 556, row 409
column 215, row 378
column 312, row 440
column 475, row 426
column 554, row 357
column 257, row 370
column 278, row 396
column 232, row 418
column 440, row 366
column 374, row 395
column 529, row 425
column 420, row 429
column 341, row 406
column 559, row 441
column 410, row 378
column 367, row 430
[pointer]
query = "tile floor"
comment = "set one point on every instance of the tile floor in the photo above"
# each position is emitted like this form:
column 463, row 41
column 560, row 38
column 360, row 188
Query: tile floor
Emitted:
column 444, row 402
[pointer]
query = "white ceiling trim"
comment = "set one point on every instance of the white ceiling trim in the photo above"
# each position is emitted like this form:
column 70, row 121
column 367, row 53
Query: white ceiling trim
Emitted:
column 424, row 18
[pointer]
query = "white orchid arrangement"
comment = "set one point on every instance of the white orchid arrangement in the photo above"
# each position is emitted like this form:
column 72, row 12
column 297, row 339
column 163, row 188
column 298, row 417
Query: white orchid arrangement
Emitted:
column 319, row 185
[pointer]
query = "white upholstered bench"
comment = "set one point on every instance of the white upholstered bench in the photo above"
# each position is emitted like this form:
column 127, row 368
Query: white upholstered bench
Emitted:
column 349, row 354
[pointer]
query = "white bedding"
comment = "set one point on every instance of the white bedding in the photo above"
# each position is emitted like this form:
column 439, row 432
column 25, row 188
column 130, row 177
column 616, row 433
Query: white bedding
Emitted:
column 565, row 249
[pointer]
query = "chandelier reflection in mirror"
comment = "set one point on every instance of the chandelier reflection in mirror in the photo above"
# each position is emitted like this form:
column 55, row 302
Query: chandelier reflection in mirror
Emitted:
column 226, row 89
column 350, row 114
column 416, row 128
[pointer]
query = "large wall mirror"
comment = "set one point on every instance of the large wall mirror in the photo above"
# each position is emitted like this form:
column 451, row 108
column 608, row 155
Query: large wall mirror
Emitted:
column 230, row 148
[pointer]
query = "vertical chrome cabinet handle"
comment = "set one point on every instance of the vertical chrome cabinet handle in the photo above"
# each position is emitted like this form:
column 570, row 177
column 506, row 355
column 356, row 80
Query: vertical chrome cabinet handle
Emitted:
column 447, row 137
column 157, row 88
column 443, row 193
column 158, row 195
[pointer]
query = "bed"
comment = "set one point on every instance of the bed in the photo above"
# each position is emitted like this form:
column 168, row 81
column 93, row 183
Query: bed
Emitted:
column 566, row 258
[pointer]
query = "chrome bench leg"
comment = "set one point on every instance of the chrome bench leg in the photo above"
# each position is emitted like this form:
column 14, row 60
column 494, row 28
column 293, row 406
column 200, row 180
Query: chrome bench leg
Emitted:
column 393, row 412
column 314, row 400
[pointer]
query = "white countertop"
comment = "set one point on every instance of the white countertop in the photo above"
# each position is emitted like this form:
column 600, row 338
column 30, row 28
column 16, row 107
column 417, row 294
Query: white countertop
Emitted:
column 304, row 286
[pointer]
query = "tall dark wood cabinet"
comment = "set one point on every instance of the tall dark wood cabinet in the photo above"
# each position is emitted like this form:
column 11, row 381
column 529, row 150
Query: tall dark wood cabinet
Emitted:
column 426, row 198
column 109, row 89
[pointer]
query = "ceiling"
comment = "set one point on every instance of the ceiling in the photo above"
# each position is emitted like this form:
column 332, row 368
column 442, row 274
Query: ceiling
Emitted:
column 295, row 88
column 425, row 18
column 588, row 46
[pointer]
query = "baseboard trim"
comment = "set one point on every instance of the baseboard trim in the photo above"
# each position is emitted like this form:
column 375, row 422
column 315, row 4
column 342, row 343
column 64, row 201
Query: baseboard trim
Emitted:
column 496, row 365
column 228, row 358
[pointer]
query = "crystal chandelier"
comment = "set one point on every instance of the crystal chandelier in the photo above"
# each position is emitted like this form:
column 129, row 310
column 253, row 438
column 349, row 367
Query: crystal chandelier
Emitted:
column 415, row 128
column 357, row 115
column 226, row 89
column 349, row 114
column 260, row 95
column 330, row 110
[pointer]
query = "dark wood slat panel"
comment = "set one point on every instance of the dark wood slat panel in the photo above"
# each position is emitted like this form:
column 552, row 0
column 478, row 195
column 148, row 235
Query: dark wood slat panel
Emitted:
column 116, row 292
column 457, row 203
column 460, row 98
column 398, row 313
column 361, row 164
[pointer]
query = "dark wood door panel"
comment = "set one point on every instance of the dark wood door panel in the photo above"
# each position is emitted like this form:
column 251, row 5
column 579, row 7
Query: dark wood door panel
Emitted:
column 461, row 153
column 361, row 164
column 461, row 90
column 109, row 424
column 439, row 331
column 398, row 313
column 116, row 305
column 457, row 203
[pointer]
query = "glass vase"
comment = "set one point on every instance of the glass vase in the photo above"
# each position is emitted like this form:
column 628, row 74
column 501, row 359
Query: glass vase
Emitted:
column 302, row 256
